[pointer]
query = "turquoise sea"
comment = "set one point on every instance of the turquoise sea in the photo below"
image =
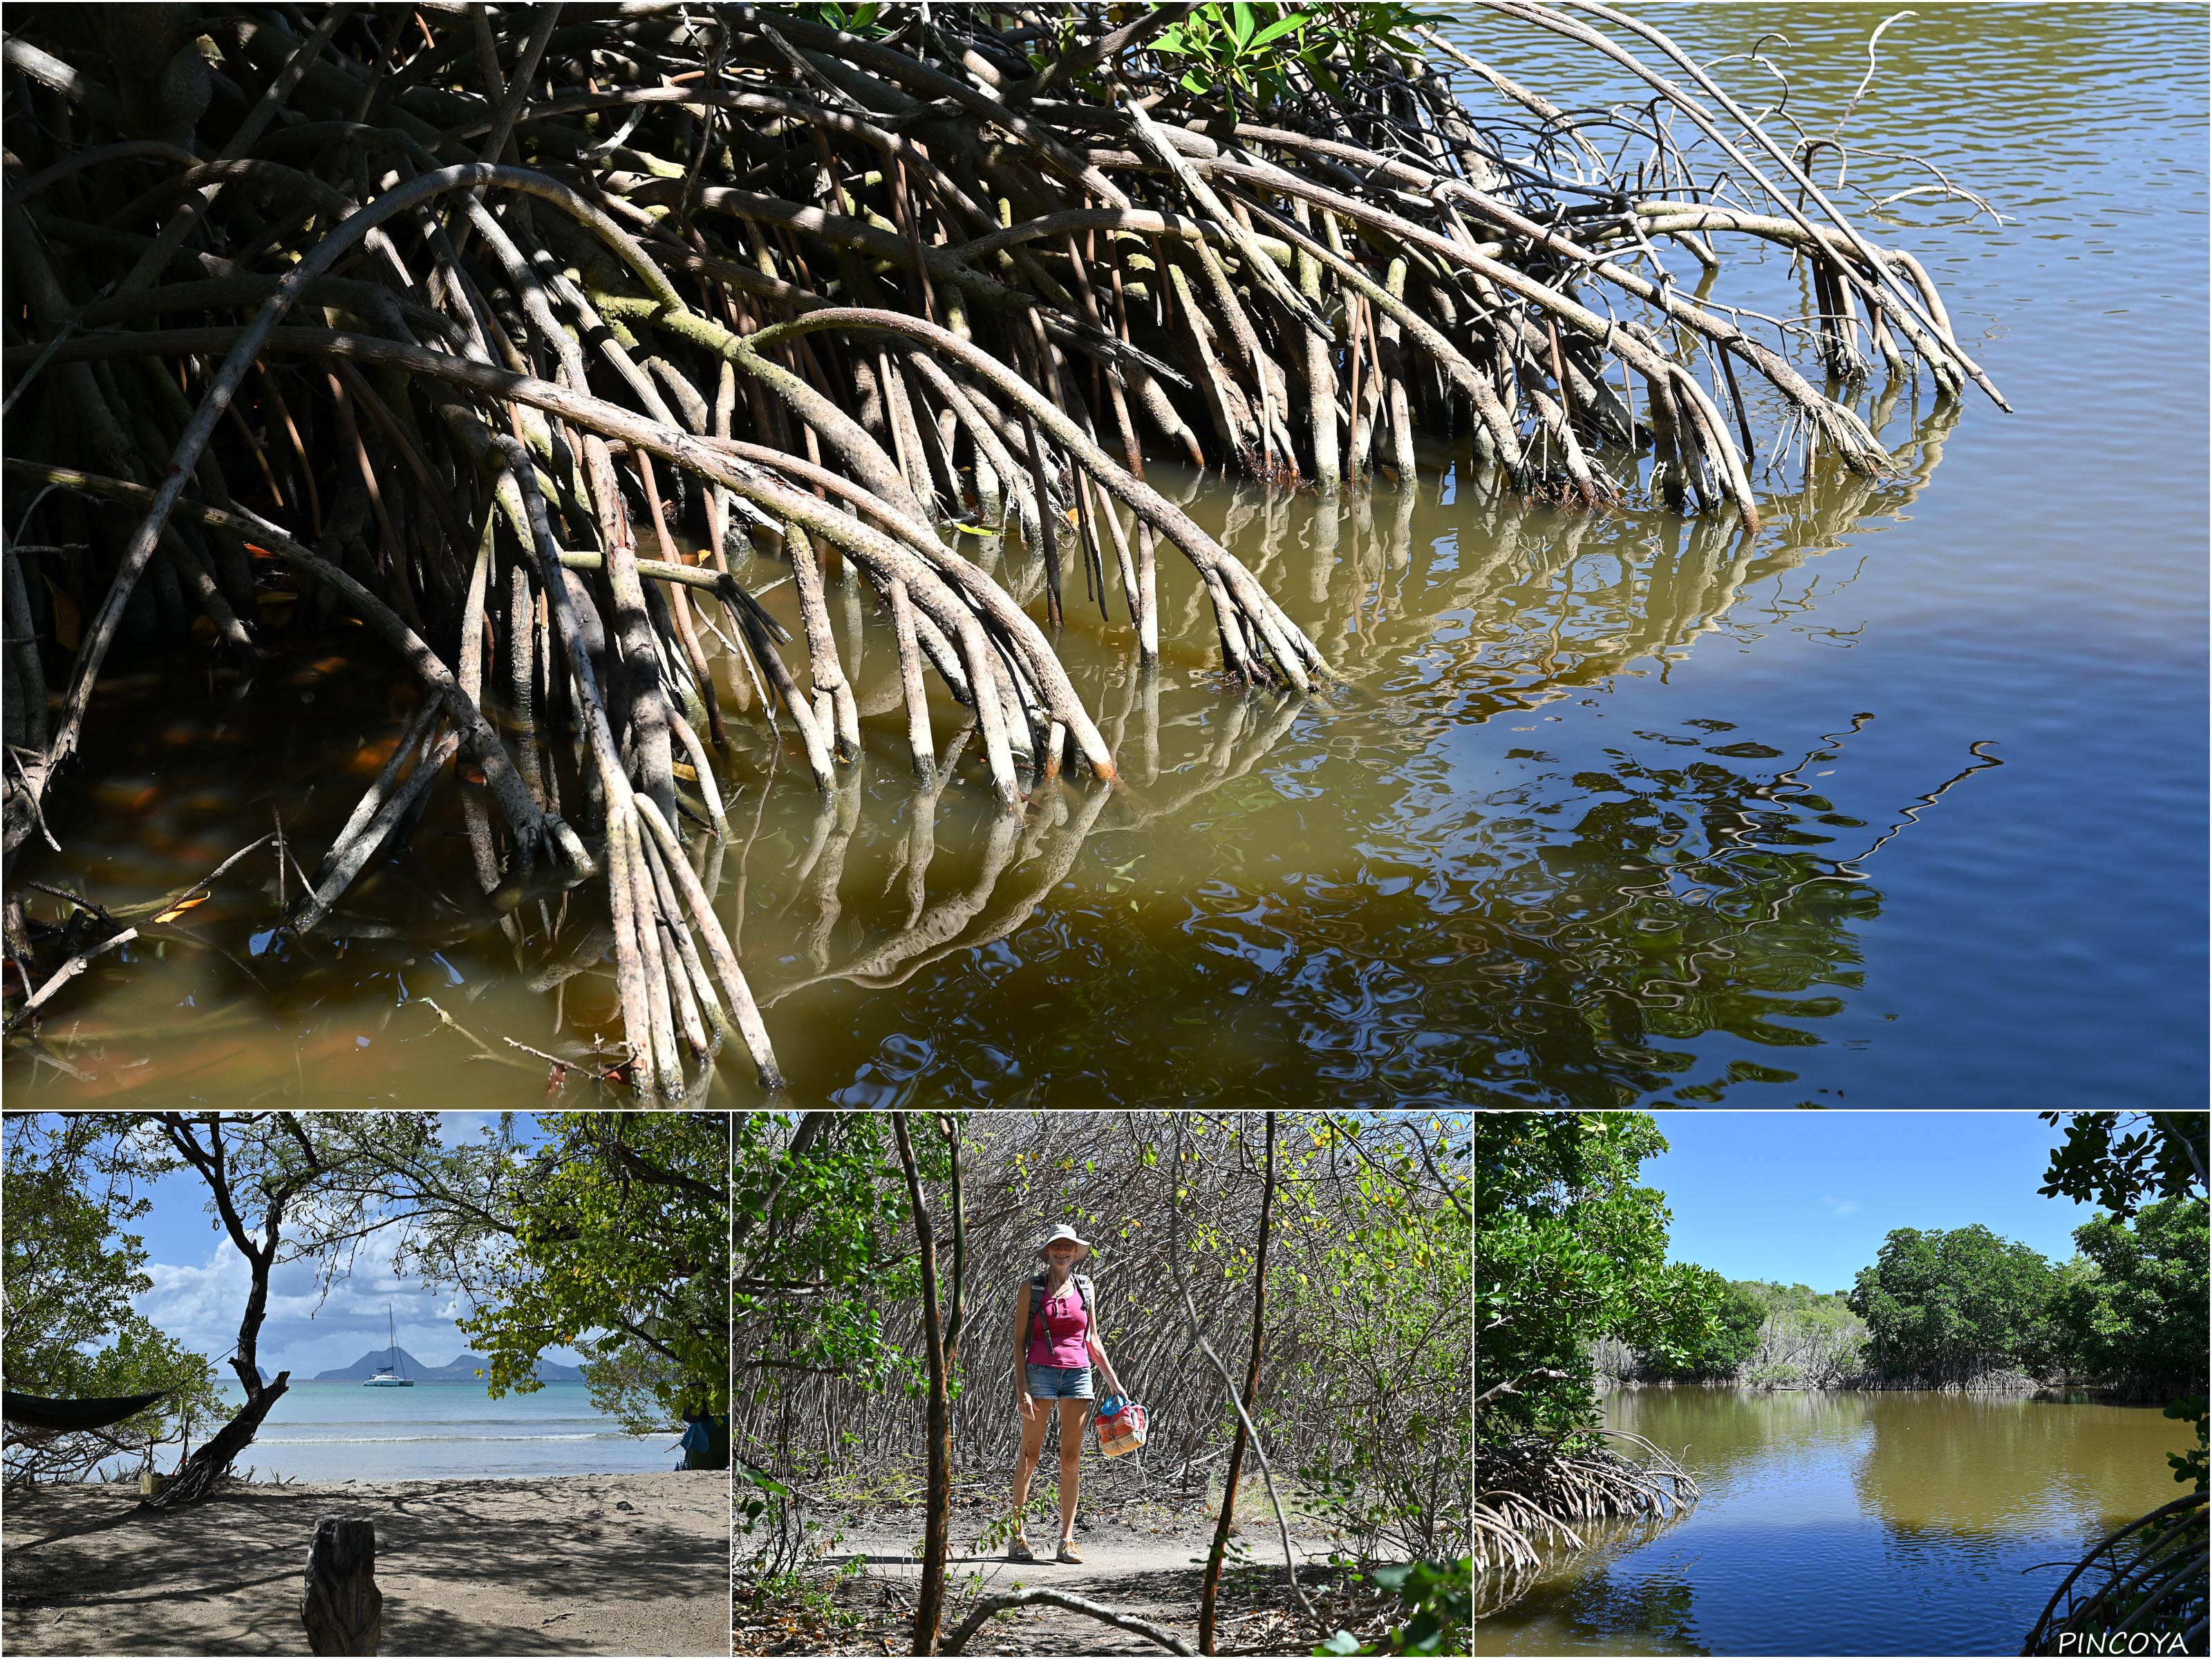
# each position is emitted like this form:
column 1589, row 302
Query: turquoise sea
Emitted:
column 323, row 1431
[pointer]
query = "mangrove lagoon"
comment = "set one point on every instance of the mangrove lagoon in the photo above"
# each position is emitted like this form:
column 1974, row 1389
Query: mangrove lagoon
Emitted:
column 1859, row 1522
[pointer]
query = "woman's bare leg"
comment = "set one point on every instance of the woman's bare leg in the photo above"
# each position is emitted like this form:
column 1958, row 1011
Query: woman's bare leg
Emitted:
column 1074, row 1418
column 1032, row 1449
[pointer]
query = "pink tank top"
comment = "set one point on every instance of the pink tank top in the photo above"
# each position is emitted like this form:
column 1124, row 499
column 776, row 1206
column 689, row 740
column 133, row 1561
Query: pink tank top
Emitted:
column 1059, row 1339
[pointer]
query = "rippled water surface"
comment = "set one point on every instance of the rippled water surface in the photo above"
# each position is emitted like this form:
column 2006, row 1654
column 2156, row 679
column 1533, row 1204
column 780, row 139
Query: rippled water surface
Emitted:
column 1899, row 803
column 1862, row 1523
column 321, row 1432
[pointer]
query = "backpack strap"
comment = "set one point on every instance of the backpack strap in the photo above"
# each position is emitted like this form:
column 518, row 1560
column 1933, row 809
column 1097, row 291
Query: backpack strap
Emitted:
column 1035, row 1321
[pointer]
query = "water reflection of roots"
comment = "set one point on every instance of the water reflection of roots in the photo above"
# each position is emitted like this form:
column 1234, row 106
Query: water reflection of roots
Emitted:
column 1537, row 1509
column 2149, row 1580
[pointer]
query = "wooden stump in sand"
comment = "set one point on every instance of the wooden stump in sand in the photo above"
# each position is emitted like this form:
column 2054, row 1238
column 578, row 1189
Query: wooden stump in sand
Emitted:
column 342, row 1609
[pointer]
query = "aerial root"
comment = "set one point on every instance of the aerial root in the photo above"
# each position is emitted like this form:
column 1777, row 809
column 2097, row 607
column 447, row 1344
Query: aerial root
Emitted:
column 900, row 309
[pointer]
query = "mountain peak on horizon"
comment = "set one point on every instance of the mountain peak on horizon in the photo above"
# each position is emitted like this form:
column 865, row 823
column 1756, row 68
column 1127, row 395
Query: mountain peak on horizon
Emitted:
column 464, row 1367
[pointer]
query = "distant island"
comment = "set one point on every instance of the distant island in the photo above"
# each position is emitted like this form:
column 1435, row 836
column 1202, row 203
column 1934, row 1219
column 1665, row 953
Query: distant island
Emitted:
column 464, row 1369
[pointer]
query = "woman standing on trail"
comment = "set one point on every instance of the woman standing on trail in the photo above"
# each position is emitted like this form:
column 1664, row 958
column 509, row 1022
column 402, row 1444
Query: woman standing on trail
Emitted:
column 1055, row 1345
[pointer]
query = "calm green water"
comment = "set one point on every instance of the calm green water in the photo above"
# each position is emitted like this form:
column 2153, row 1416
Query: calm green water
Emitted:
column 1608, row 809
column 1852, row 1523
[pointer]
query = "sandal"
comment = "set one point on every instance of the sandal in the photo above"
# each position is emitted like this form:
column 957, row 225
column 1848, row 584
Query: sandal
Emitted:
column 1068, row 1552
column 1018, row 1549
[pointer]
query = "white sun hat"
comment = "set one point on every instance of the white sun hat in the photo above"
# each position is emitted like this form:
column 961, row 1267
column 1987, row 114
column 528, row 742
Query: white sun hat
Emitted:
column 1064, row 1232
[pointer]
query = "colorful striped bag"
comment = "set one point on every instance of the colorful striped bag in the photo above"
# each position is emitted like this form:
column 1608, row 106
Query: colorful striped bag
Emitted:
column 1121, row 1422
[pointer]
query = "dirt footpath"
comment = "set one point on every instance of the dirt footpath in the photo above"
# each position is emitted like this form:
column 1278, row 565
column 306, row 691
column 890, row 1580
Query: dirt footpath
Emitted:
column 1149, row 1563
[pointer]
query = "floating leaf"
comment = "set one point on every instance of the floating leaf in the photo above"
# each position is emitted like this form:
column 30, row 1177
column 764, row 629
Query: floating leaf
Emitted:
column 172, row 914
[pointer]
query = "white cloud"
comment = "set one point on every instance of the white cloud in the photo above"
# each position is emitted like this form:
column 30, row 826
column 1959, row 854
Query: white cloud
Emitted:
column 306, row 1330
column 1840, row 1205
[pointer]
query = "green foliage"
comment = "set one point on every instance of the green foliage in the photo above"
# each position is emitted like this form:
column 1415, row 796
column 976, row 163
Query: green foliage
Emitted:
column 620, row 1234
column 1569, row 1249
column 1439, row 1604
column 70, row 1274
column 1774, row 1298
column 1944, row 1307
column 861, row 19
column 818, row 1226
column 2190, row 1466
column 1807, row 1340
column 2162, row 1154
column 1739, row 1313
column 2135, row 1302
column 1248, row 55
column 1384, row 1336
column 2132, row 1306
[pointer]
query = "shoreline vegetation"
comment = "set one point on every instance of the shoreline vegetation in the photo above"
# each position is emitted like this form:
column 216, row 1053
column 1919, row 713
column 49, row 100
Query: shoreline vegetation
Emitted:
column 1575, row 1297
column 1532, row 1500
column 904, row 300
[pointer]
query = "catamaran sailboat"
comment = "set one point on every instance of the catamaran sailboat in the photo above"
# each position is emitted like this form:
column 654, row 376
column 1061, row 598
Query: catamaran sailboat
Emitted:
column 389, row 1377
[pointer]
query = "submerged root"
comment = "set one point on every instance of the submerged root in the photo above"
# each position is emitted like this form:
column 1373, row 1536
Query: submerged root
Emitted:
column 2146, row 1581
column 477, row 327
column 1533, row 1502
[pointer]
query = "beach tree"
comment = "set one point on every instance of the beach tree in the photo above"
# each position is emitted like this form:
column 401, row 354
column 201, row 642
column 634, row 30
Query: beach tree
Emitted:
column 274, row 1180
column 72, row 1270
column 604, row 1231
column 608, row 1234
column 257, row 1165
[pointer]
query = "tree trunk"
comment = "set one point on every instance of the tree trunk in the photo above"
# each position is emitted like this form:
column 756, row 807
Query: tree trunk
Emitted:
column 937, row 1531
column 207, row 1466
column 342, row 1609
column 1212, row 1589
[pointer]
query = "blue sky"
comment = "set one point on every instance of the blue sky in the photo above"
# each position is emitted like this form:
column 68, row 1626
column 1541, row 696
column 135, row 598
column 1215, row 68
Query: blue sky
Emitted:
column 1807, row 1197
column 200, row 1284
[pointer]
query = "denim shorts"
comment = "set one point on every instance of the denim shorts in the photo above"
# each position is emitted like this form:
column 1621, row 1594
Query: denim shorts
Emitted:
column 1059, row 1382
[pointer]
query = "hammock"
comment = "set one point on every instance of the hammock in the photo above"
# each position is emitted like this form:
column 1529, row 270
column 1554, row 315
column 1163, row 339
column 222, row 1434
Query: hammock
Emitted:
column 34, row 1412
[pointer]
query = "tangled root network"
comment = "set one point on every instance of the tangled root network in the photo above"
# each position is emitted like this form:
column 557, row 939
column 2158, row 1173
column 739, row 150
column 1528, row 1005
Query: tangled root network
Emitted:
column 501, row 328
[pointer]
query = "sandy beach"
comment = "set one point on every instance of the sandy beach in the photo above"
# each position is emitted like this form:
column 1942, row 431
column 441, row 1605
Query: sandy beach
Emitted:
column 628, row 1563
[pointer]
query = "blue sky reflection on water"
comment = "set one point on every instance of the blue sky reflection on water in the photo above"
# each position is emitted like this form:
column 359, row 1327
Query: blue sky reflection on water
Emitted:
column 2041, row 934
column 1854, row 1523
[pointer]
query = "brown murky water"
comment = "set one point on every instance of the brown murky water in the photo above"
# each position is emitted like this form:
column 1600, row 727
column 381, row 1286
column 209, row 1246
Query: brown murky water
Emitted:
column 1286, row 900
column 1898, row 802
column 1905, row 1523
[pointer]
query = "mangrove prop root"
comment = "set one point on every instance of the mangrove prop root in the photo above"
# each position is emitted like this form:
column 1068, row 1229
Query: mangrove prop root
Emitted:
column 1530, row 1497
column 475, row 328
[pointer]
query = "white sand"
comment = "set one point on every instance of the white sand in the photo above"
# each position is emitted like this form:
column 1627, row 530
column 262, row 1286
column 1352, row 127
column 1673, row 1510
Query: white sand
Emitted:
column 625, row 1564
